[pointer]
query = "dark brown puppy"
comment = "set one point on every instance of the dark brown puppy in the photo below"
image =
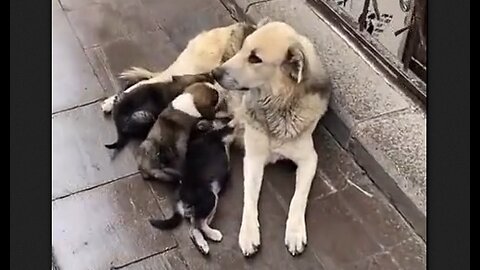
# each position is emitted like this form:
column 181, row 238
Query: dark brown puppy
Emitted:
column 162, row 154
column 207, row 171
column 135, row 112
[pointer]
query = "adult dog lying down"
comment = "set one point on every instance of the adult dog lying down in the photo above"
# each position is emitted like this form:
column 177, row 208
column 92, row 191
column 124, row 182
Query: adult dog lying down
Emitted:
column 284, row 93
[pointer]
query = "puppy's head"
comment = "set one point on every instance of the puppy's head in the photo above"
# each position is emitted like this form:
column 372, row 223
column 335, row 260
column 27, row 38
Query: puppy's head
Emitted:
column 273, row 54
column 199, row 100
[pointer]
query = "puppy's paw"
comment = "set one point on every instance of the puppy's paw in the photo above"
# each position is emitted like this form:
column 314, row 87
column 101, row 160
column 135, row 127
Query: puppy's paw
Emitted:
column 107, row 104
column 295, row 236
column 203, row 248
column 249, row 237
column 198, row 240
column 215, row 235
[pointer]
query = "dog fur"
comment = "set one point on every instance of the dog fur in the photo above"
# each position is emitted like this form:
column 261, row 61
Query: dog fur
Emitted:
column 207, row 171
column 288, row 94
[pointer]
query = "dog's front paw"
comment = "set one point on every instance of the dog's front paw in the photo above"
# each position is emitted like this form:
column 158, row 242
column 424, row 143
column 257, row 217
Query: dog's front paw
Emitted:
column 107, row 104
column 295, row 236
column 249, row 237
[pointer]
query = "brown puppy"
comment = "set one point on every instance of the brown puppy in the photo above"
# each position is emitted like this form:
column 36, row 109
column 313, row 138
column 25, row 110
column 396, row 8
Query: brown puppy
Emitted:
column 161, row 155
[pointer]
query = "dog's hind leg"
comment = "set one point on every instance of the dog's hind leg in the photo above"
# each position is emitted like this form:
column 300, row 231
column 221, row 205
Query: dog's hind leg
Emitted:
column 142, row 76
column 107, row 104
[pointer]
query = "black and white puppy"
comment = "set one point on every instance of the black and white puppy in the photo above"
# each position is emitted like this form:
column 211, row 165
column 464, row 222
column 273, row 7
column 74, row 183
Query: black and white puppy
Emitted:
column 134, row 113
column 161, row 155
column 207, row 170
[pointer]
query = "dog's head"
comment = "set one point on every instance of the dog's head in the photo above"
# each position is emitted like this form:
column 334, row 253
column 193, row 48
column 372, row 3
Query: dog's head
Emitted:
column 273, row 54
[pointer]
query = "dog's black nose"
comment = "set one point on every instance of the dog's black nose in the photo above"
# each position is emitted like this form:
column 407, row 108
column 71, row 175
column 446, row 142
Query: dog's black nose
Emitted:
column 218, row 73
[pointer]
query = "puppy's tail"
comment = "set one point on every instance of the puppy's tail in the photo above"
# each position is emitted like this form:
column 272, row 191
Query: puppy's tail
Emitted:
column 167, row 224
column 118, row 145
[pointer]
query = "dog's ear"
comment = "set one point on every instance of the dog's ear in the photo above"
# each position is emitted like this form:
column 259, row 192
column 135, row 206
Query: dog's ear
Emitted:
column 294, row 64
column 263, row 21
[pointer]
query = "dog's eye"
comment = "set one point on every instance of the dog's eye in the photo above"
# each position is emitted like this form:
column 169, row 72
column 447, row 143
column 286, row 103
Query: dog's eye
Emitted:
column 254, row 59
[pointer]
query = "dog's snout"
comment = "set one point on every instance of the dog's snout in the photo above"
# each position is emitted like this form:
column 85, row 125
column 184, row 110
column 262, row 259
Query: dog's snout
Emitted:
column 218, row 73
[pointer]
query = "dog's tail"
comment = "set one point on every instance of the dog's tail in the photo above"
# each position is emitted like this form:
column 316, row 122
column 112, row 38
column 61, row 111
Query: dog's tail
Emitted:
column 167, row 224
column 136, row 74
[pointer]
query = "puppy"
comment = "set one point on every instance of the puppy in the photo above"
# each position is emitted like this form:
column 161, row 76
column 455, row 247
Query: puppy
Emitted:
column 207, row 171
column 135, row 112
column 161, row 155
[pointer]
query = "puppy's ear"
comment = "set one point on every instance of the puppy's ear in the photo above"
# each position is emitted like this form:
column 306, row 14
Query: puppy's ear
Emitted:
column 263, row 21
column 294, row 64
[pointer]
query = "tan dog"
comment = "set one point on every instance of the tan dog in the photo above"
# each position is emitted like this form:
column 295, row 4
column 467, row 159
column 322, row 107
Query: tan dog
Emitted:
column 287, row 94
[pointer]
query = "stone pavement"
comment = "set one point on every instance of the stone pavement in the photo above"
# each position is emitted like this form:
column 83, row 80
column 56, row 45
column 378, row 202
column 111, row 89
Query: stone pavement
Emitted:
column 101, row 207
